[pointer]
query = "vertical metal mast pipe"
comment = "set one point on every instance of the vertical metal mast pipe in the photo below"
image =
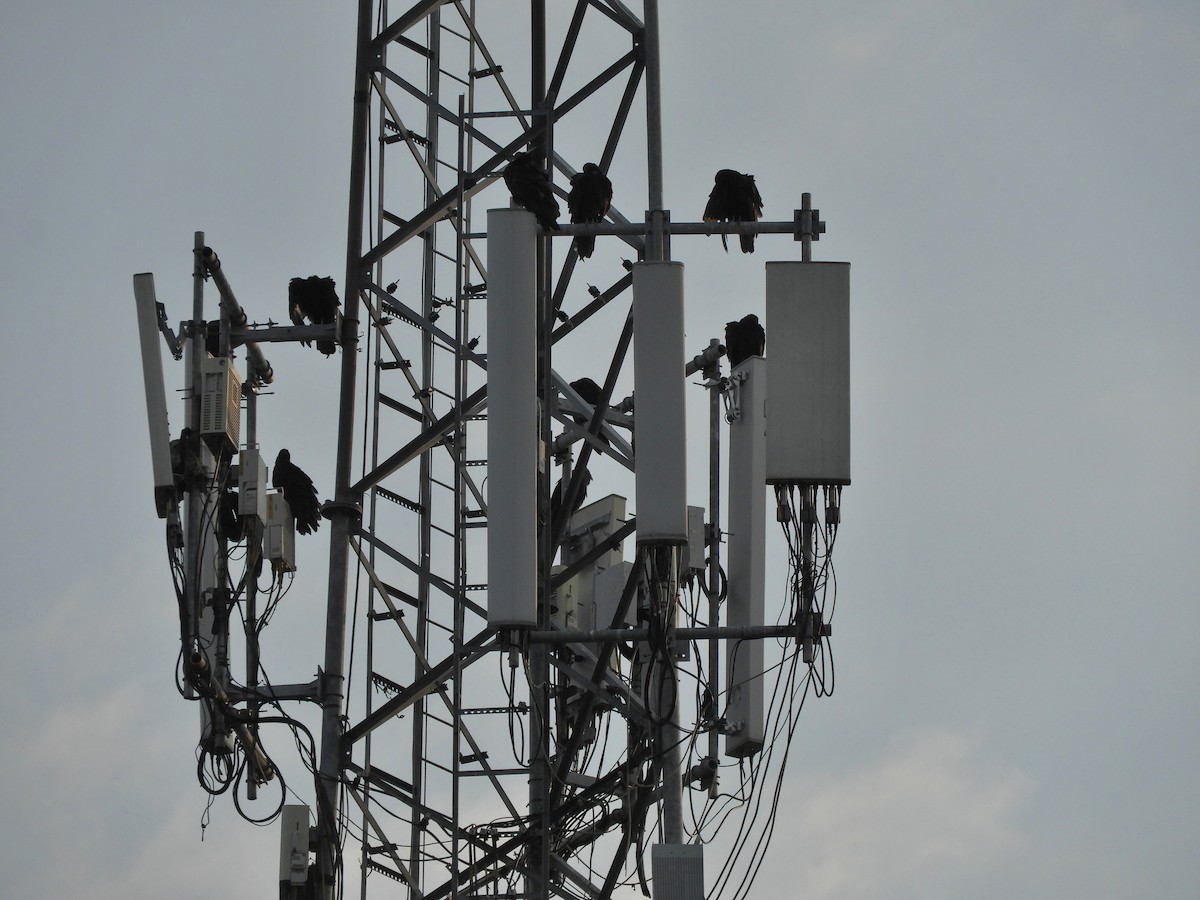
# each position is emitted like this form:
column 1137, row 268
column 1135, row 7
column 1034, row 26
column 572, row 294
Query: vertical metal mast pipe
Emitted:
column 538, row 882
column 253, row 550
column 195, row 500
column 714, row 549
column 344, row 511
column 654, row 153
column 433, row 25
column 668, row 731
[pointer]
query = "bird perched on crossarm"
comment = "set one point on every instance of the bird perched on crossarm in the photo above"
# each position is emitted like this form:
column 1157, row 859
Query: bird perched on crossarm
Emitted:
column 734, row 198
column 530, row 187
column 314, row 298
column 588, row 390
column 298, row 490
column 588, row 201
column 590, row 393
column 743, row 339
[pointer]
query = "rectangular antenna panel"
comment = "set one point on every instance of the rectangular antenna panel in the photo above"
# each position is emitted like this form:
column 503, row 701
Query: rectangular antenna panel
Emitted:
column 512, row 432
column 745, row 604
column 220, row 404
column 156, row 392
column 660, row 425
column 808, row 367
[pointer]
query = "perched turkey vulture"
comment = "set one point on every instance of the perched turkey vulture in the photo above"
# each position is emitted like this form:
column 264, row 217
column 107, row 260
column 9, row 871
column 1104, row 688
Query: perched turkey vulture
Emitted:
column 589, row 392
column 297, row 489
column 314, row 298
column 187, row 462
column 530, row 187
column 743, row 339
column 588, row 201
column 558, row 495
column 734, row 198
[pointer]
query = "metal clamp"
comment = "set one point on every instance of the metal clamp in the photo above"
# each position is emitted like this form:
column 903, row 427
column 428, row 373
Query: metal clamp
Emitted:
column 732, row 395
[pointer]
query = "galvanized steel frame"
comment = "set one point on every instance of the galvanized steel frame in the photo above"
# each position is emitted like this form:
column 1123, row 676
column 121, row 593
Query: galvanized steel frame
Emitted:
column 424, row 395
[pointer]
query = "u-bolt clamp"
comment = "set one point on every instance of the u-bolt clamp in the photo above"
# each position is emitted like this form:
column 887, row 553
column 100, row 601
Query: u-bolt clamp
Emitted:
column 732, row 396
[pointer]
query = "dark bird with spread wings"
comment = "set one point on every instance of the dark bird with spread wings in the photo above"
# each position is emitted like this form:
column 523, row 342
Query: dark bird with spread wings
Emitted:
column 743, row 339
column 314, row 298
column 588, row 201
column 734, row 198
column 297, row 489
column 530, row 187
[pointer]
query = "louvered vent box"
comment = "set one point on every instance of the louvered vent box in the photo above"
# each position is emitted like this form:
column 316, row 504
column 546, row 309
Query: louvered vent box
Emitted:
column 678, row 871
column 220, row 404
column 808, row 372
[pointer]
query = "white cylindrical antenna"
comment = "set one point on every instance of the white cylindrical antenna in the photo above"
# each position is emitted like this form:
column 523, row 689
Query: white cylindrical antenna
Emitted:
column 512, row 433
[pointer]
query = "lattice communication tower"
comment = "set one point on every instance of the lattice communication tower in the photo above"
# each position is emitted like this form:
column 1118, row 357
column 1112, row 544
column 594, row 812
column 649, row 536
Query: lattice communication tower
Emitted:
column 549, row 680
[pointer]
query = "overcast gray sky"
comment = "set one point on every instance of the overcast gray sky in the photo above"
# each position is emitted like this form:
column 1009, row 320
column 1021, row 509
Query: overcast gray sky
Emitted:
column 1015, row 186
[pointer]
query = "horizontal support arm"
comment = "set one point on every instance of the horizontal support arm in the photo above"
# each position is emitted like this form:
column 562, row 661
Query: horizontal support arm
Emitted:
column 568, row 229
column 719, row 632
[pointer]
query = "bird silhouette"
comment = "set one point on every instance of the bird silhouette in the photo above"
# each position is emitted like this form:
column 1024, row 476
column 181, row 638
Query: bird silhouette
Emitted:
column 558, row 495
column 588, row 201
column 298, row 490
column 187, row 462
column 744, row 338
column 734, row 198
column 314, row 298
column 530, row 187
column 590, row 393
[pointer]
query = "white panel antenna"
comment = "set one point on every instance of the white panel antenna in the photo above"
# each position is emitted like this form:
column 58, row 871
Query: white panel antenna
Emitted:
column 512, row 433
column 745, row 605
column 156, row 394
column 660, row 411
column 808, row 406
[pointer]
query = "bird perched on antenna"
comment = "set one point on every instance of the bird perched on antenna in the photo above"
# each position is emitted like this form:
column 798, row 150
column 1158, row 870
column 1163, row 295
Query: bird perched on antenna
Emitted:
column 314, row 298
column 743, row 339
column 734, row 198
column 530, row 187
column 588, row 201
column 297, row 489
